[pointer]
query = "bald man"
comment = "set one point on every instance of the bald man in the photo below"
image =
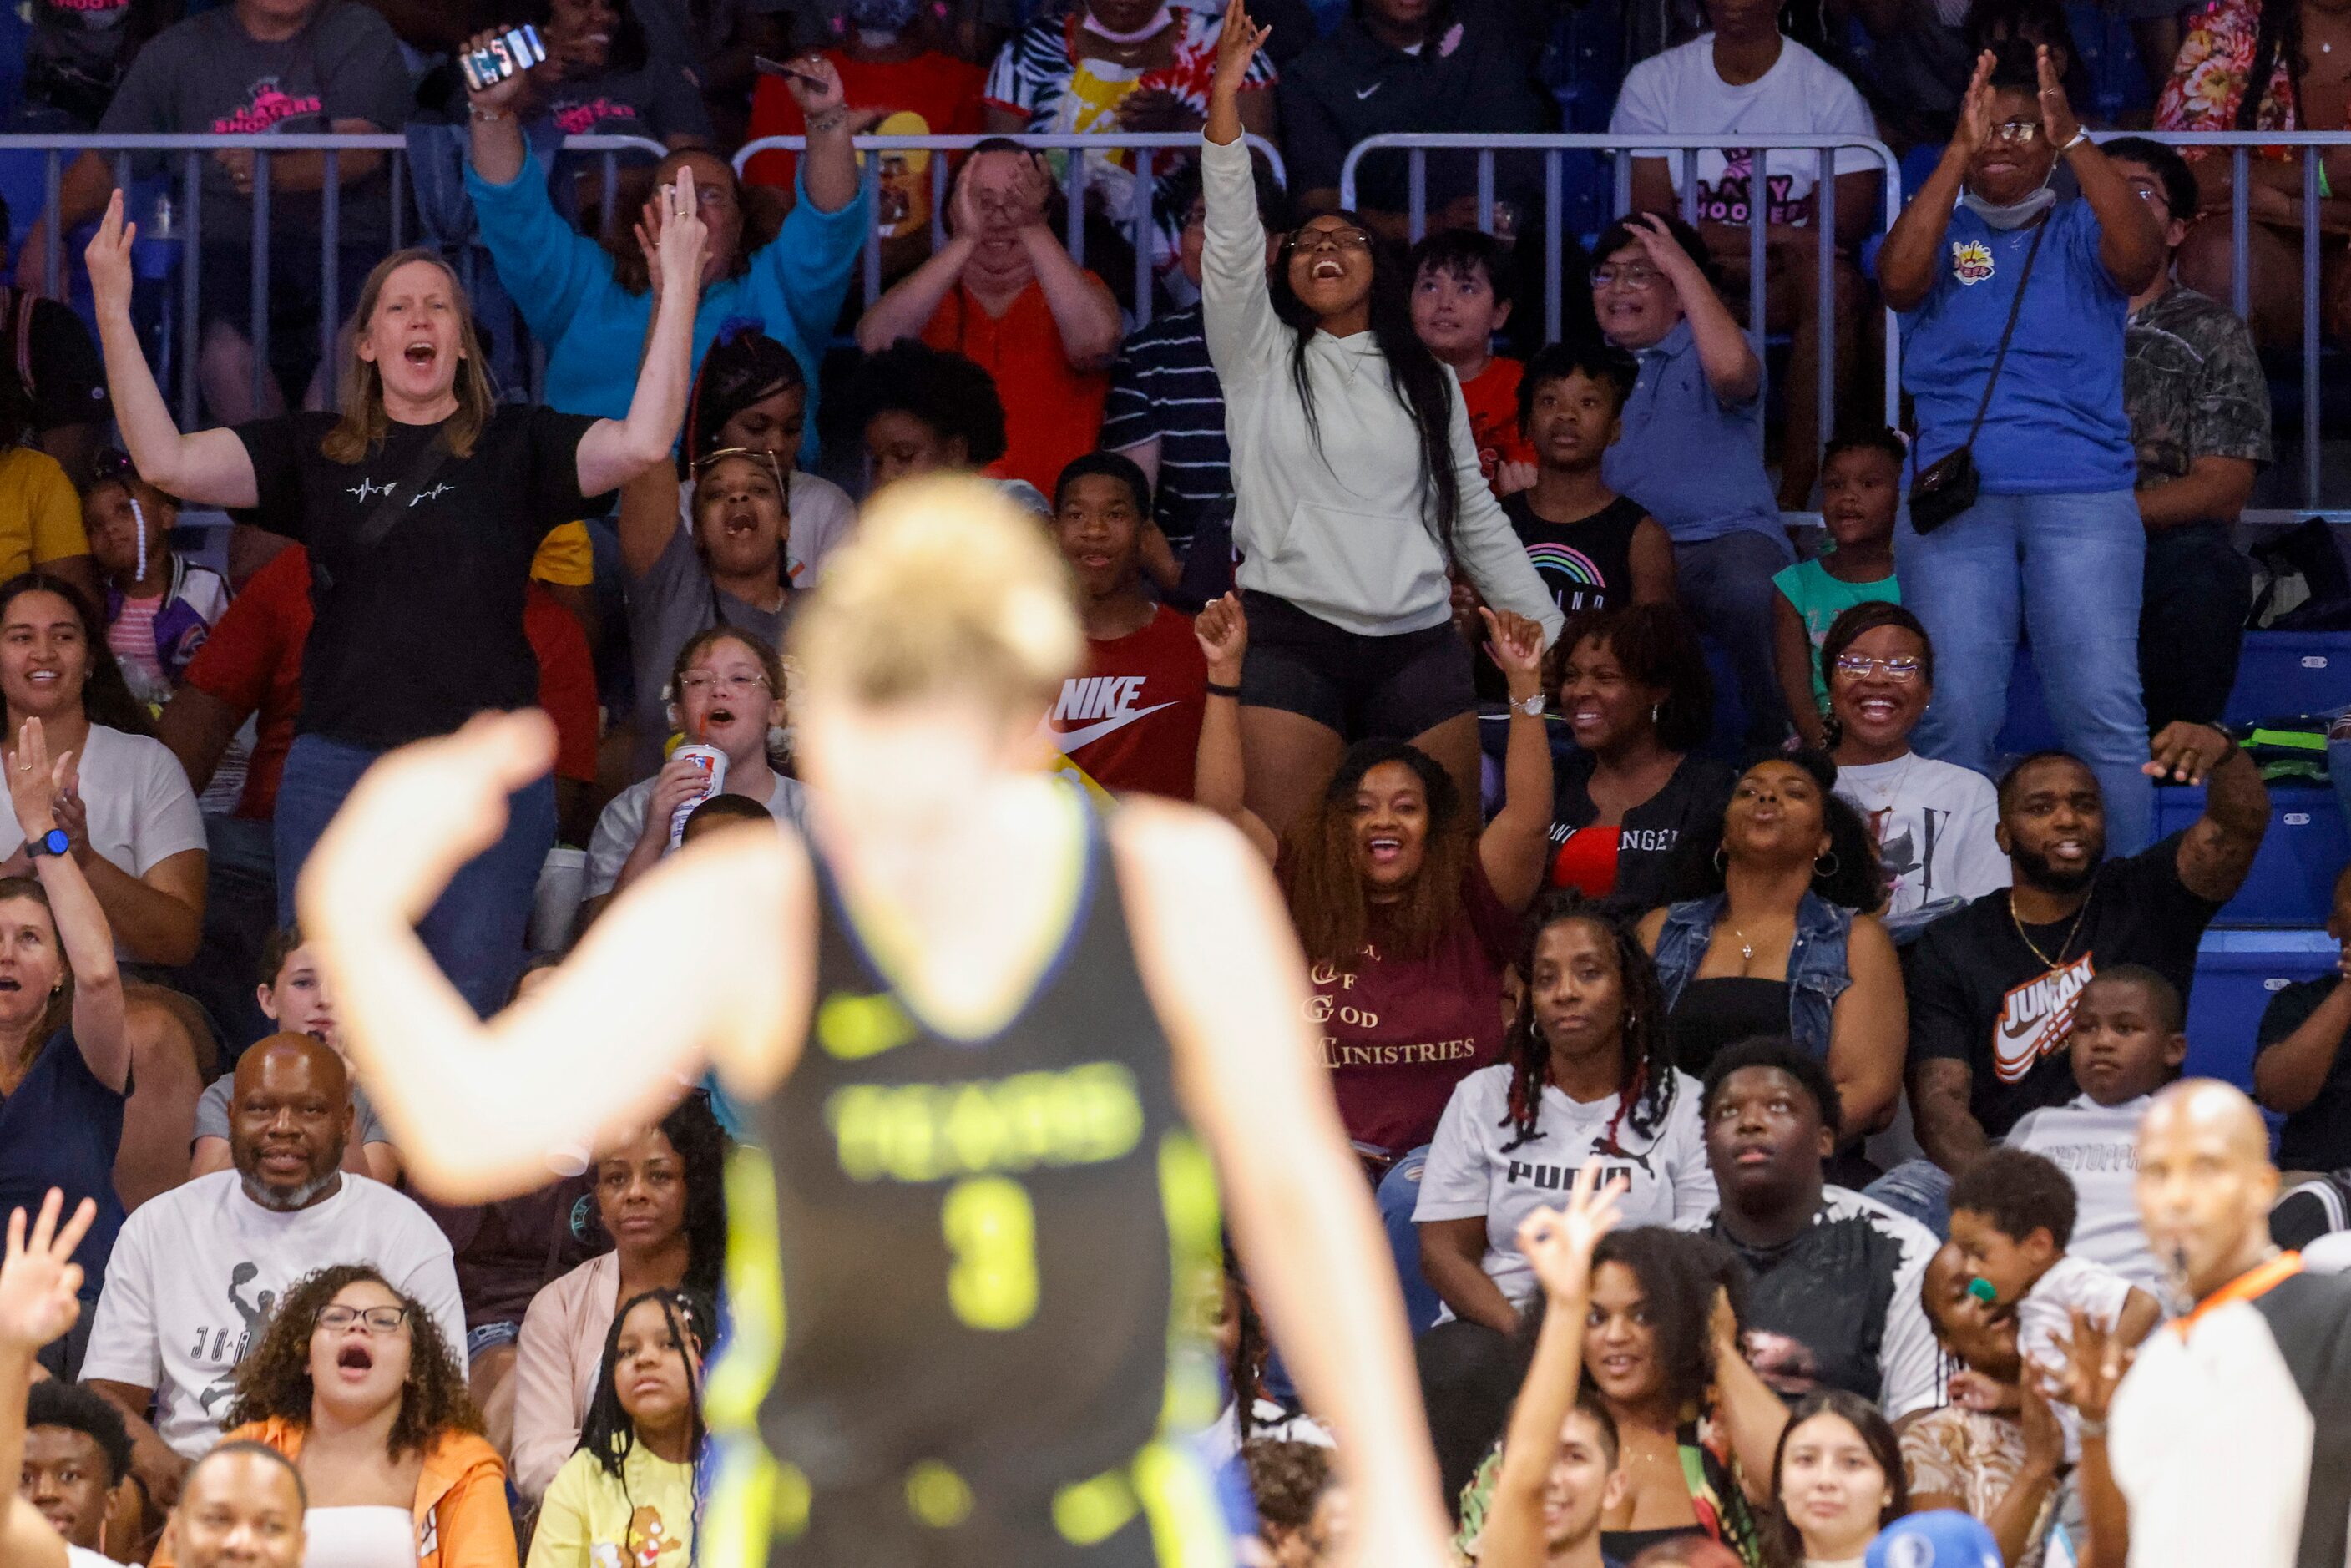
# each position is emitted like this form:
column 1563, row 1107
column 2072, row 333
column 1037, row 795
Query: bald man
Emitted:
column 2228, row 1442
column 201, row 1266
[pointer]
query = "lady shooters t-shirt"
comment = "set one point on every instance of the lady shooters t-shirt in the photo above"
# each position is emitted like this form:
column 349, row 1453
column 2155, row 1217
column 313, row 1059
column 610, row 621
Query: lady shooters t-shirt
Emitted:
column 420, row 632
column 1979, row 994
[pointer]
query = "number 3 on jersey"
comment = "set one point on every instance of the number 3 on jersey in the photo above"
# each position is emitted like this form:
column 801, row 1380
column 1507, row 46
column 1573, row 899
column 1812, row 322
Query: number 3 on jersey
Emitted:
column 991, row 1228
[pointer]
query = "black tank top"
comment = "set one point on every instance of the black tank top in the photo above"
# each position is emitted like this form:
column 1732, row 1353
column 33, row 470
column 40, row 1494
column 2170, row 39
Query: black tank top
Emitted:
column 1587, row 564
column 991, row 1255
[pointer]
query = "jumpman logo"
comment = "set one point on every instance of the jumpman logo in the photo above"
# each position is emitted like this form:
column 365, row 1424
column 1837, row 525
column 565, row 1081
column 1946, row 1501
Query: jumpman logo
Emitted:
column 367, row 489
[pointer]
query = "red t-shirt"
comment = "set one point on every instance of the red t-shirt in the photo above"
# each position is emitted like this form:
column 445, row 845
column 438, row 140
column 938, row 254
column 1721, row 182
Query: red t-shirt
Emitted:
column 1492, row 396
column 253, row 662
column 1051, row 412
column 939, row 90
column 1399, row 1033
column 1133, row 720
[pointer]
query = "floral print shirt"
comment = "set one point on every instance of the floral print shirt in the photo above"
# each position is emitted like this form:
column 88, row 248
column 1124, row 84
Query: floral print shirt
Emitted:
column 2209, row 78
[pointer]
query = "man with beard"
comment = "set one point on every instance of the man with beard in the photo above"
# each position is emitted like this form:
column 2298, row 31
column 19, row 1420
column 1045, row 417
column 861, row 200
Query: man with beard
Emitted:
column 1993, row 987
column 201, row 1266
column 2229, row 1440
column 1836, row 1301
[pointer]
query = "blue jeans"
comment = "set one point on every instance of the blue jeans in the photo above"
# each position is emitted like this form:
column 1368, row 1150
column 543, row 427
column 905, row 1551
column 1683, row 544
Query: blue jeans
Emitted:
column 1726, row 585
column 1919, row 1188
column 2068, row 571
column 475, row 931
column 1399, row 1194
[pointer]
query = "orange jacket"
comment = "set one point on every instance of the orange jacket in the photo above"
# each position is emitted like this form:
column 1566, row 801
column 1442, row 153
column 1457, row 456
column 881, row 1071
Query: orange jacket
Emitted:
column 461, row 1498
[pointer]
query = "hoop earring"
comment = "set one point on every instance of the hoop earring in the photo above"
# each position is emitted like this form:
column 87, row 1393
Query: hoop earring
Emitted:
column 1829, row 870
column 1656, row 714
column 1721, row 861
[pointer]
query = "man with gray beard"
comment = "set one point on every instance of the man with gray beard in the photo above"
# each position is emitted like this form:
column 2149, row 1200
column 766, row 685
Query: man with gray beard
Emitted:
column 198, row 1270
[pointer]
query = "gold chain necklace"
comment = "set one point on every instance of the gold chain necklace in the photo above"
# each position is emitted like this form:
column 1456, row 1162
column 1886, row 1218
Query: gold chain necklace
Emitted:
column 2073, row 930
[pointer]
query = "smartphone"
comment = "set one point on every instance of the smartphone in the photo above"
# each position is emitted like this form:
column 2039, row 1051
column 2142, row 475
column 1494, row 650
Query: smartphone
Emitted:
column 516, row 50
column 767, row 66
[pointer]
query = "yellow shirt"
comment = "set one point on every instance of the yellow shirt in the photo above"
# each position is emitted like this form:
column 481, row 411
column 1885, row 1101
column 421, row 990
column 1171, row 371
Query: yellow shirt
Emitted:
column 566, row 558
column 644, row 1519
column 40, row 516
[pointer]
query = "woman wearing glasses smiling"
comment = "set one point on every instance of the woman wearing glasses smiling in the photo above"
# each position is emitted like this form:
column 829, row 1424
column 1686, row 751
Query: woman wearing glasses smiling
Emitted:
column 726, row 690
column 1933, row 822
column 353, row 1383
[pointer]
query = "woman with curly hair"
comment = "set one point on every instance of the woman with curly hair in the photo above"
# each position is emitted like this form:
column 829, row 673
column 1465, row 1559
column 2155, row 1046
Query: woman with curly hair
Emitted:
column 1773, row 935
column 630, row 1490
column 353, row 1382
column 1696, row 1428
column 921, row 410
column 1588, row 1074
column 660, row 1195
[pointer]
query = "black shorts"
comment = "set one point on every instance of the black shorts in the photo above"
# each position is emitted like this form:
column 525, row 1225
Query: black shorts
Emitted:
column 1365, row 688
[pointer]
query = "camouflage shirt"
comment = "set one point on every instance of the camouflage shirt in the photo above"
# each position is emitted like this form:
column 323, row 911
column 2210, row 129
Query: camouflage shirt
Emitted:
column 2192, row 386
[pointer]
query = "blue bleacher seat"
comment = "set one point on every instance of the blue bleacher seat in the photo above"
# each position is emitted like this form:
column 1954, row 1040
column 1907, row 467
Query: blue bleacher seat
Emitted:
column 2283, row 672
column 2292, row 879
column 2237, row 972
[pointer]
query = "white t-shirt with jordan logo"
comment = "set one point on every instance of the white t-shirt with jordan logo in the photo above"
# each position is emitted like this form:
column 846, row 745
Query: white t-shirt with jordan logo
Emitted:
column 196, row 1271
column 1470, row 1175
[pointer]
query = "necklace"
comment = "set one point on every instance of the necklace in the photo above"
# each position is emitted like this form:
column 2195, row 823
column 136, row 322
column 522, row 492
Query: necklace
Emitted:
column 2071, row 931
column 1746, row 948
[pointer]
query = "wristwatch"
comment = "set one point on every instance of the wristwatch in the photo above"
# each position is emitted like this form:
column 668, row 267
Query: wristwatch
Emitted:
column 53, row 843
column 1531, row 706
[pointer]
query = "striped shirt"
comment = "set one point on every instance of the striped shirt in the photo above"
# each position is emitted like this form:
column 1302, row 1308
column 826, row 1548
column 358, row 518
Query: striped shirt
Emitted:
column 1162, row 389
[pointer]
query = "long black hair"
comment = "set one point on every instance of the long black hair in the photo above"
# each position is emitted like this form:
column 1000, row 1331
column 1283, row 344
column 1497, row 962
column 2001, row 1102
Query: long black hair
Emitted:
column 607, row 1432
column 1852, row 879
column 2277, row 37
column 105, row 696
column 1784, row 1544
column 1680, row 1273
column 702, row 1148
column 1419, row 380
column 1644, row 1078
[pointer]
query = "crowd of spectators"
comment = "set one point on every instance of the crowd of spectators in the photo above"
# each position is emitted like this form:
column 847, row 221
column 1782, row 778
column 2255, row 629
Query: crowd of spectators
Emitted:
column 1618, row 819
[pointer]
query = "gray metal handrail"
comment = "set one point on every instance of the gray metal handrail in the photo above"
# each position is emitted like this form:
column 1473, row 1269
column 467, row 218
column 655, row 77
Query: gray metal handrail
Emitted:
column 1623, row 149
column 187, row 220
column 1142, row 143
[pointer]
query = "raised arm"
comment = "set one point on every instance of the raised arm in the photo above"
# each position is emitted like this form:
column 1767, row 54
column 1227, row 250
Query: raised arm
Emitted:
column 1723, row 351
column 655, row 988
column 1512, row 848
column 2130, row 246
column 1752, row 1412
column 907, row 305
column 34, row 784
column 614, row 452
column 1250, row 1076
column 1914, row 246
column 1559, row 1243
column 38, row 1282
column 828, row 168
column 497, row 149
column 1084, row 313
column 2096, row 1363
column 648, row 518
column 2218, row 853
column 210, row 468
column 1217, row 774
column 1237, row 313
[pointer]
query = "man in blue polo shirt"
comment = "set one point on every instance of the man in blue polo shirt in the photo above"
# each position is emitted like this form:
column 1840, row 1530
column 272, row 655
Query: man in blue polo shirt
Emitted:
column 2053, row 547
column 1691, row 449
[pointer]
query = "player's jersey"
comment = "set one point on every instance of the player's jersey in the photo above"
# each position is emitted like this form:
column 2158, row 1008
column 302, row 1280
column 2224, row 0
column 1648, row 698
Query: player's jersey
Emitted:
column 966, row 1276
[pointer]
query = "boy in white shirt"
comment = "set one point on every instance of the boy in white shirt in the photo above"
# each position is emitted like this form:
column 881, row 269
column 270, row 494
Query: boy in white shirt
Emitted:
column 2128, row 1043
column 2011, row 1216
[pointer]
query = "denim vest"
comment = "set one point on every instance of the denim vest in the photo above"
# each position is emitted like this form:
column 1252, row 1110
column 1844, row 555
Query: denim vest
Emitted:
column 1817, row 971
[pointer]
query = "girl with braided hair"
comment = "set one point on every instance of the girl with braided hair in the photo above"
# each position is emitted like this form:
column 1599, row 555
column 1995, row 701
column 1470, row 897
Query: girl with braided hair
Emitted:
column 1587, row 1072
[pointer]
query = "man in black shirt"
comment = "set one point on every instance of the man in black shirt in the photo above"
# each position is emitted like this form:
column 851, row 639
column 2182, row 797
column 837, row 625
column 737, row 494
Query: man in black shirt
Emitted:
column 1836, row 1296
column 2299, row 1069
column 1992, row 987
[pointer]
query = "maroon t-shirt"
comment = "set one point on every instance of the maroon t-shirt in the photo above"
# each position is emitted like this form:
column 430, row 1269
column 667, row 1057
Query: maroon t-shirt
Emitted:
column 1399, row 1033
column 1133, row 720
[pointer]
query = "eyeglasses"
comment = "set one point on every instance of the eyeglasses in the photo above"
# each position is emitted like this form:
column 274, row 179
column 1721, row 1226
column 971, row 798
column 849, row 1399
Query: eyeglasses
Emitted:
column 2016, row 130
column 704, row 464
column 1635, row 278
column 1860, row 668
column 1340, row 239
column 729, row 685
column 367, row 1320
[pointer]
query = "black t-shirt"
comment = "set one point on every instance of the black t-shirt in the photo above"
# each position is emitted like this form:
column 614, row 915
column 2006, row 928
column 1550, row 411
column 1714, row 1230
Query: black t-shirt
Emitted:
column 1698, row 791
column 424, row 629
column 2319, row 1136
column 50, row 350
column 1587, row 564
column 1978, row 995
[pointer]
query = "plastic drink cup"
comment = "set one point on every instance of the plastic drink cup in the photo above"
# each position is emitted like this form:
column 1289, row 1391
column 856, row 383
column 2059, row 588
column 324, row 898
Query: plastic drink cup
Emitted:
column 713, row 764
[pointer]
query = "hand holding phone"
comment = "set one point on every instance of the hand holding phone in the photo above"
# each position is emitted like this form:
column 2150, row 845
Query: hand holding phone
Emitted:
column 493, row 57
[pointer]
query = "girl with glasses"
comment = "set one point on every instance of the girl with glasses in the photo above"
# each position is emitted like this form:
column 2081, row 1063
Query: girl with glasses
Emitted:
column 1932, row 822
column 354, row 1383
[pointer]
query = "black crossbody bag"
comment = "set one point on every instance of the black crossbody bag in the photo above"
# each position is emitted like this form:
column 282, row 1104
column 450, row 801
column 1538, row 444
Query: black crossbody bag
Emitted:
column 1949, row 486
column 384, row 516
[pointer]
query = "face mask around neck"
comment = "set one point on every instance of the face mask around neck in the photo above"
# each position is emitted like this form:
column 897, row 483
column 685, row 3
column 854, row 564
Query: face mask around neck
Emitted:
column 2014, row 215
column 1159, row 19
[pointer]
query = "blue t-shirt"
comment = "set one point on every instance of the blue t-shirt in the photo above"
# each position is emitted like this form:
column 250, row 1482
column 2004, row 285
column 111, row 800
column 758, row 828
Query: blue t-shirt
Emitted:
column 61, row 1128
column 1692, row 461
column 2056, row 424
